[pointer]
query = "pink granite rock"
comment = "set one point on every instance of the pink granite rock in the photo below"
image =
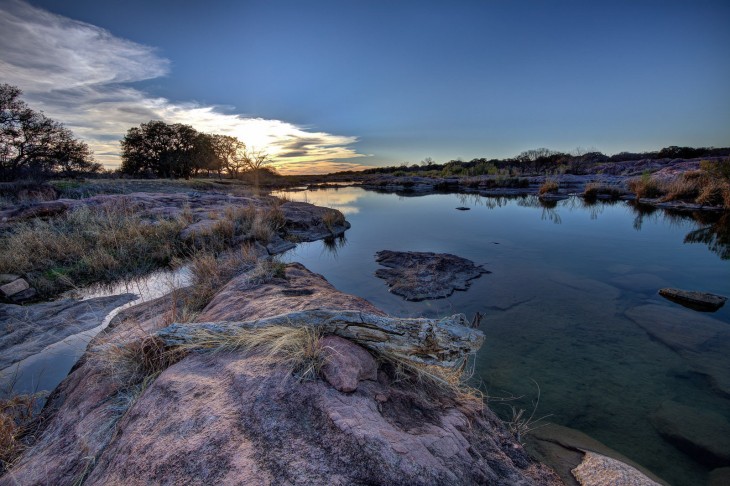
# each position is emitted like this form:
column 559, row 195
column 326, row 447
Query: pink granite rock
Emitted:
column 345, row 364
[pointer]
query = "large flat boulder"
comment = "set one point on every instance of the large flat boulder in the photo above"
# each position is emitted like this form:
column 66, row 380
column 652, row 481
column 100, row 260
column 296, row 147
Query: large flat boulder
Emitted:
column 425, row 275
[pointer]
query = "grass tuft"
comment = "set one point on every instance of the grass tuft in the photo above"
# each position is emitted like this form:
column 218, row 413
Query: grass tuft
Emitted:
column 333, row 218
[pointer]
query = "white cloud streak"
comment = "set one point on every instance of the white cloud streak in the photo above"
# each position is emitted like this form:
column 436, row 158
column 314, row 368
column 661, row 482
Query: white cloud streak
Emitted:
column 76, row 73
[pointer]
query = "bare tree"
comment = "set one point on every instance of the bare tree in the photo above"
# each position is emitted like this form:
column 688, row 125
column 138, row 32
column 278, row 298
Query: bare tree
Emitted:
column 253, row 160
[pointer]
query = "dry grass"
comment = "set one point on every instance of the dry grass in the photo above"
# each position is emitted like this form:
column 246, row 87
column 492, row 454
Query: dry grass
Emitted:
column 87, row 245
column 210, row 272
column 295, row 348
column 434, row 381
column 17, row 422
column 137, row 361
column 706, row 186
column 550, row 186
column 112, row 242
column 519, row 424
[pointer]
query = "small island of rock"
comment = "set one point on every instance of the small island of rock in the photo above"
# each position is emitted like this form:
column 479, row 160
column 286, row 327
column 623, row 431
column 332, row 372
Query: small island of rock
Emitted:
column 425, row 275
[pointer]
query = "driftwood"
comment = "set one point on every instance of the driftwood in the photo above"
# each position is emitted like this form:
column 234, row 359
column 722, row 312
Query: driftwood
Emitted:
column 442, row 342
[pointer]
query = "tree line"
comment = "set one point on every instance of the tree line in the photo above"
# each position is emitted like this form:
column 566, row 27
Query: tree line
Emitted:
column 543, row 160
column 33, row 146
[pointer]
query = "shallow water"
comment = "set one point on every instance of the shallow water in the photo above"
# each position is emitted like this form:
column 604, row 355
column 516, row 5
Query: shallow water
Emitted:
column 43, row 371
column 562, row 279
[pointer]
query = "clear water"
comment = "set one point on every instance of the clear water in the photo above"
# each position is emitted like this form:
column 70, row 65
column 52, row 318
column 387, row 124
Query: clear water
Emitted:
column 43, row 371
column 562, row 278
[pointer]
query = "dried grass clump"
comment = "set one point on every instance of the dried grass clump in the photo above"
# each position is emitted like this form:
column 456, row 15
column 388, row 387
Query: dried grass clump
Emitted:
column 594, row 189
column 136, row 361
column 715, row 193
column 435, row 381
column 550, row 186
column 17, row 422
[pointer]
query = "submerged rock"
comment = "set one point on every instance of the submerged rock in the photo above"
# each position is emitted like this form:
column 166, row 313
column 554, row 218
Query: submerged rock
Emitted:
column 701, row 301
column 425, row 275
column 701, row 340
column 26, row 330
column 235, row 417
column 702, row 434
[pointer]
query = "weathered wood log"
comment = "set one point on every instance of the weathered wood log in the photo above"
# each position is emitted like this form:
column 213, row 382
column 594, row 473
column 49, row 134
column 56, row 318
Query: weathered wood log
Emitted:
column 442, row 342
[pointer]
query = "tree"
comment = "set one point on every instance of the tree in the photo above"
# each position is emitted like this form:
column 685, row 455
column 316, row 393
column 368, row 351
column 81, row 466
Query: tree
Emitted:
column 31, row 144
column 156, row 148
column 226, row 149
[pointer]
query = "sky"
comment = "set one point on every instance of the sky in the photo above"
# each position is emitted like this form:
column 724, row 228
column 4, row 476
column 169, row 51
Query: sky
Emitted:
column 327, row 86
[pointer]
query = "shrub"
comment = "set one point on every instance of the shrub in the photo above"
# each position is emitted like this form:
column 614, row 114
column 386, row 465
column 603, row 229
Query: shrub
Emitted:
column 594, row 189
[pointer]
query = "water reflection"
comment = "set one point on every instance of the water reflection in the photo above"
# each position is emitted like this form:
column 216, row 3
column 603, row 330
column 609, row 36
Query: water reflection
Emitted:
column 343, row 199
column 713, row 230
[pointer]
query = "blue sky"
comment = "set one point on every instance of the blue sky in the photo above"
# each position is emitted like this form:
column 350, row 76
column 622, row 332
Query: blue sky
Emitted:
column 333, row 85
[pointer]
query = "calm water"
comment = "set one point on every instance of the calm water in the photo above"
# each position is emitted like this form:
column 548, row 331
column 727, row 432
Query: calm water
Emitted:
column 43, row 371
column 562, row 279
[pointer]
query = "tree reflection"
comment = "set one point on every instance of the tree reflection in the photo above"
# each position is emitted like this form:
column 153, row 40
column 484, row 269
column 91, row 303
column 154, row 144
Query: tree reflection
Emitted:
column 715, row 235
column 549, row 207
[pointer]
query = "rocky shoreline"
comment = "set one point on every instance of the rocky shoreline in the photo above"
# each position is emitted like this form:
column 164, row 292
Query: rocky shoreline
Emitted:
column 234, row 417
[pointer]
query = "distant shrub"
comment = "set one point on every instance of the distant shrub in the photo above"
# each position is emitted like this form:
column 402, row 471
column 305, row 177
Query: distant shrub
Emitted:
column 550, row 186
column 644, row 186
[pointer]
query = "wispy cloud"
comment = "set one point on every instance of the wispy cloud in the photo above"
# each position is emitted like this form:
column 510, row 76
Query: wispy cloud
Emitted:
column 78, row 74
